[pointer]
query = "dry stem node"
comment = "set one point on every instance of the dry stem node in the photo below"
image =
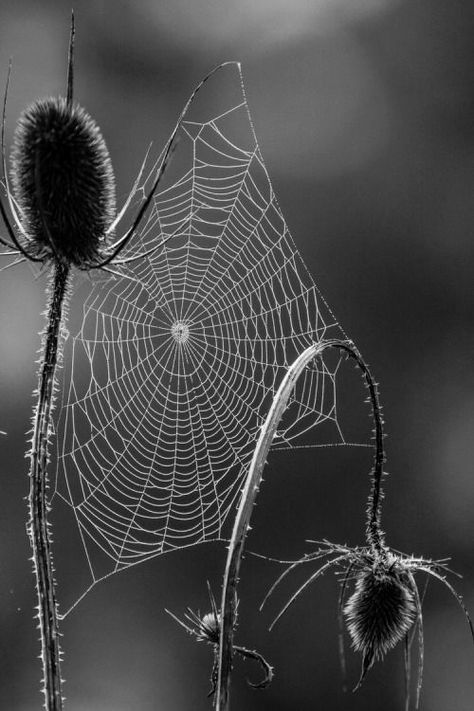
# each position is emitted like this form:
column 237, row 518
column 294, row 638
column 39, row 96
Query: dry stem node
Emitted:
column 206, row 628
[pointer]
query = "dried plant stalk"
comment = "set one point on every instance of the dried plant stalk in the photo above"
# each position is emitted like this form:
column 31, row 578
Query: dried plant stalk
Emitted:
column 38, row 526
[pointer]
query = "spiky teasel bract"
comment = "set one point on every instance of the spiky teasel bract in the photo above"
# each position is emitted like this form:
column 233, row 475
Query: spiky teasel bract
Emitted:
column 207, row 628
column 385, row 606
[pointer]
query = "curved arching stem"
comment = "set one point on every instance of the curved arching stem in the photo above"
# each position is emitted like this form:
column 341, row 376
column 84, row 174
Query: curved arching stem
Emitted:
column 374, row 534
column 252, row 484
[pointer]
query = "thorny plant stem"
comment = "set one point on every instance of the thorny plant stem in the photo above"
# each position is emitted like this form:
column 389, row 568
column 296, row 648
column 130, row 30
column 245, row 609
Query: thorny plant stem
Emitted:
column 374, row 533
column 39, row 528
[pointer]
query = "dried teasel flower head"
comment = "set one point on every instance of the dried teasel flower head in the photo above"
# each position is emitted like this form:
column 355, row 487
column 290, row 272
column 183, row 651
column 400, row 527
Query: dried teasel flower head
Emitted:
column 62, row 192
column 62, row 181
column 385, row 607
column 380, row 612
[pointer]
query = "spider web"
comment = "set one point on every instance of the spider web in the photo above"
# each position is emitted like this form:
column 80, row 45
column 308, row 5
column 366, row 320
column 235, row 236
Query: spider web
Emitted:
column 176, row 363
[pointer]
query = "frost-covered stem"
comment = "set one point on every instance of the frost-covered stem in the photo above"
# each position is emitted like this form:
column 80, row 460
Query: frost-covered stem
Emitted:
column 39, row 528
column 251, row 487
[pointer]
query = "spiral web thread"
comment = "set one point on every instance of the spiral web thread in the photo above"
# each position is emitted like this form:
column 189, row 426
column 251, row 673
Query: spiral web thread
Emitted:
column 177, row 361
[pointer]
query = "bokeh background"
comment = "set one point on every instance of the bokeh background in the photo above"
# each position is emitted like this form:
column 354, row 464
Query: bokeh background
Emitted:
column 364, row 112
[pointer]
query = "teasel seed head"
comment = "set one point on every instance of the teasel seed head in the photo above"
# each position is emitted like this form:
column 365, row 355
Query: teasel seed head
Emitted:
column 63, row 182
column 379, row 613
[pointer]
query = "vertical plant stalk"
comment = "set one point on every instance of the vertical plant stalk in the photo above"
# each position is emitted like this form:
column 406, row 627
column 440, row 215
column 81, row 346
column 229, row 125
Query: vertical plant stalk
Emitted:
column 249, row 493
column 38, row 526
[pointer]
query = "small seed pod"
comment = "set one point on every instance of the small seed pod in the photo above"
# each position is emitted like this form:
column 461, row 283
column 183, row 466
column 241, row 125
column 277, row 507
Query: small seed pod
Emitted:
column 379, row 613
column 209, row 628
column 63, row 182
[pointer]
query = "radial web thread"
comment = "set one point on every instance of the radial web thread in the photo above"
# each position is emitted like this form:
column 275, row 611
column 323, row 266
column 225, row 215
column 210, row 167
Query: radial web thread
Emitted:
column 176, row 363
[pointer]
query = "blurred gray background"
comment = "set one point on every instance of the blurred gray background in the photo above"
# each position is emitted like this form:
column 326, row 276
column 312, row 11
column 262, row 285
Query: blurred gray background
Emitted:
column 364, row 113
